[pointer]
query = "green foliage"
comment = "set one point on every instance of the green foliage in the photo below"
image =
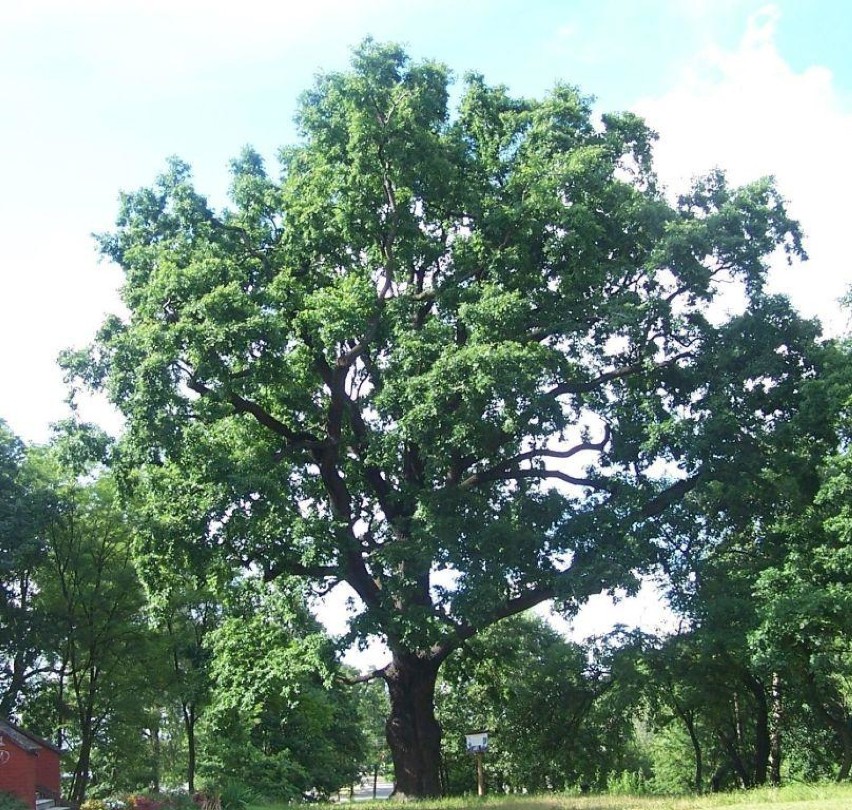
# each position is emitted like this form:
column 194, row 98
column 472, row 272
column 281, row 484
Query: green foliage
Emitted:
column 479, row 341
column 25, row 504
column 88, row 603
column 551, row 708
column 436, row 297
column 372, row 705
column 9, row 801
column 277, row 724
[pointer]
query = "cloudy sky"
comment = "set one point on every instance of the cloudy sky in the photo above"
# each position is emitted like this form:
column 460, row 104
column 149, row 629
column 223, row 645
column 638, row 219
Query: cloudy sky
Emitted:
column 95, row 94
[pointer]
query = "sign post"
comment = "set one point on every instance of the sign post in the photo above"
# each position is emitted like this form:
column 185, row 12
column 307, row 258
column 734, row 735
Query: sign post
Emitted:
column 477, row 744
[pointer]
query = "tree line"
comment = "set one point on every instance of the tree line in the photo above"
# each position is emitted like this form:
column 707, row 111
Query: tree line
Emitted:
column 467, row 361
column 154, row 673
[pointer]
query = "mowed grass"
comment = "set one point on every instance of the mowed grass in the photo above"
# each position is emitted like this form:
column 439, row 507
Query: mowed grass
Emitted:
column 793, row 797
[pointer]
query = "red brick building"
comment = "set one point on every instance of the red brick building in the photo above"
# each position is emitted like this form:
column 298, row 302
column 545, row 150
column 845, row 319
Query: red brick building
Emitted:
column 29, row 765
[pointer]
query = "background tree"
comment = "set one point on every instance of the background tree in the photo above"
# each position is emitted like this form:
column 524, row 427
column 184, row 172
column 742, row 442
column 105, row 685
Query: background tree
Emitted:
column 93, row 642
column 462, row 343
column 371, row 700
column 804, row 596
column 725, row 675
column 23, row 505
column 542, row 700
column 277, row 723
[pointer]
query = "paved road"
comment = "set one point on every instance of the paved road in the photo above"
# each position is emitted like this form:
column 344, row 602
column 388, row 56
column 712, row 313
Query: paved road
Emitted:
column 364, row 791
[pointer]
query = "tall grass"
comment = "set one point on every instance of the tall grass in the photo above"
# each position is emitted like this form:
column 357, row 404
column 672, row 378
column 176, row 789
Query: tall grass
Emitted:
column 823, row 796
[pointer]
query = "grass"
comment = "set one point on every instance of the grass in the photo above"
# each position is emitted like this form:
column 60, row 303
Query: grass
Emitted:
column 792, row 797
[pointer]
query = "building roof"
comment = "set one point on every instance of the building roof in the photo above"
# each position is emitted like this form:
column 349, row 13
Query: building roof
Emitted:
column 25, row 739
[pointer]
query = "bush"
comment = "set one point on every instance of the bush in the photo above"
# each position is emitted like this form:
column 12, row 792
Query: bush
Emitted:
column 627, row 783
column 140, row 801
column 9, row 801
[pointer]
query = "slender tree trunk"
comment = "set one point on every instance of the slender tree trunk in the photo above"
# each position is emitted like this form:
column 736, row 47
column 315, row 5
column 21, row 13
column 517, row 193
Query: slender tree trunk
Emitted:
column 762, row 742
column 158, row 754
column 688, row 718
column 776, row 719
column 735, row 760
column 80, row 780
column 189, row 726
column 413, row 733
column 696, row 748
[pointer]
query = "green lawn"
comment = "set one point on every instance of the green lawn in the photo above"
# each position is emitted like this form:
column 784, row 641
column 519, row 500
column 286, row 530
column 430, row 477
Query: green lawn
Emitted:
column 794, row 797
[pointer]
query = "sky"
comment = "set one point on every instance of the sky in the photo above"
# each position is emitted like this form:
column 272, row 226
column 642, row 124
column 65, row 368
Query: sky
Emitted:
column 96, row 94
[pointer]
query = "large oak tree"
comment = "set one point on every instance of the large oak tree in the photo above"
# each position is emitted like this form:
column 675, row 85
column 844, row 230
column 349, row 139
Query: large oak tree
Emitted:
column 464, row 362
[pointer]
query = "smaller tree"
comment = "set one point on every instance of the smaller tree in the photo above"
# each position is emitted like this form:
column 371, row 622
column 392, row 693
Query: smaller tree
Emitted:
column 23, row 506
column 100, row 645
column 535, row 693
column 371, row 698
column 277, row 721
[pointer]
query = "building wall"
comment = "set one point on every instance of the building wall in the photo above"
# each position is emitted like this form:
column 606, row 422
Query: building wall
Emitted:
column 47, row 772
column 18, row 771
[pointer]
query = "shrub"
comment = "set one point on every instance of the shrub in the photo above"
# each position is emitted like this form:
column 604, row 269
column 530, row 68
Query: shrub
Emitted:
column 139, row 801
column 9, row 801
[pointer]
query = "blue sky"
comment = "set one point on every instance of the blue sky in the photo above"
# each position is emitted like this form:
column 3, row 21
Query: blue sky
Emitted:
column 95, row 94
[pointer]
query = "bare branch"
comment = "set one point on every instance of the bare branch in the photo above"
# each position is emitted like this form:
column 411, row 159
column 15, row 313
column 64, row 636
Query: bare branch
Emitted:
column 660, row 502
column 352, row 680
column 272, row 572
column 243, row 405
column 514, row 475
column 583, row 387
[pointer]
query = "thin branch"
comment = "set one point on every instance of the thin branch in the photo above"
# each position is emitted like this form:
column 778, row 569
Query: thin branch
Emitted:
column 243, row 405
column 353, row 680
column 516, row 475
column 583, row 387
column 272, row 572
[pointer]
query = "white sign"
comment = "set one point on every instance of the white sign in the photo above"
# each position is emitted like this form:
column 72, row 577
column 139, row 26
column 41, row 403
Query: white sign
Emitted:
column 477, row 743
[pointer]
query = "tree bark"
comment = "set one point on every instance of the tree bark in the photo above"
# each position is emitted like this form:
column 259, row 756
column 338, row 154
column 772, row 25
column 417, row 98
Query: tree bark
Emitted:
column 156, row 744
column 688, row 718
column 762, row 740
column 696, row 748
column 413, row 733
column 776, row 719
column 189, row 718
column 80, row 779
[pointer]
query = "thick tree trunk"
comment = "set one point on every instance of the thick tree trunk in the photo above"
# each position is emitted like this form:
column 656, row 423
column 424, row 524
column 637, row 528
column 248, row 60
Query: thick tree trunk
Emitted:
column 845, row 736
column 156, row 745
column 413, row 733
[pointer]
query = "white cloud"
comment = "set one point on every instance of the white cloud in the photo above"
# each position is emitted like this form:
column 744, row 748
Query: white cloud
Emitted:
column 647, row 611
column 749, row 112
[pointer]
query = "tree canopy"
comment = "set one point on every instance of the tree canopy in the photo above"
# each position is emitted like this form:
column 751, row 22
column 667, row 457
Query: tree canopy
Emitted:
column 464, row 361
